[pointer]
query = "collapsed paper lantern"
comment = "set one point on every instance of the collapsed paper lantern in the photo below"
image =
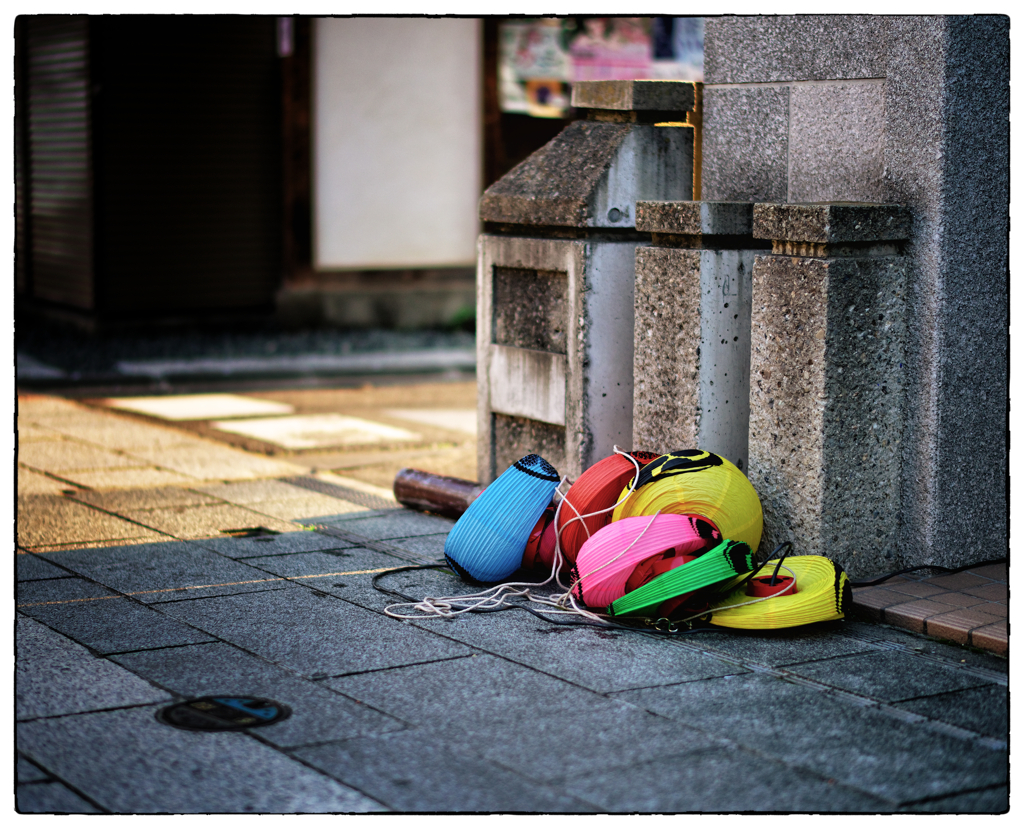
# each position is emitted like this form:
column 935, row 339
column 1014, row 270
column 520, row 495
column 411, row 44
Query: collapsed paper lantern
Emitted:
column 596, row 489
column 611, row 557
column 694, row 482
column 487, row 543
column 822, row 594
column 540, row 546
column 727, row 560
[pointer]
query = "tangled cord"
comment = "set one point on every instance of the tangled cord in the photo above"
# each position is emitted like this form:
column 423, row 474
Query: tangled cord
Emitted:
column 1003, row 560
column 648, row 625
column 498, row 597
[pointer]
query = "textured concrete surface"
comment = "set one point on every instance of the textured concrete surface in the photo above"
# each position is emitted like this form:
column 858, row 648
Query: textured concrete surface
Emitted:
column 594, row 328
column 832, row 223
column 794, row 48
column 634, row 95
column 837, row 139
column 745, row 143
column 958, row 338
column 666, row 339
column 693, row 217
column 691, row 340
column 826, row 406
column 591, row 174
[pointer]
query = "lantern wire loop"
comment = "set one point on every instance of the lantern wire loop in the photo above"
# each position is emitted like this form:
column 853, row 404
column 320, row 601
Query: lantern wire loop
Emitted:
column 824, row 595
column 598, row 492
column 728, row 559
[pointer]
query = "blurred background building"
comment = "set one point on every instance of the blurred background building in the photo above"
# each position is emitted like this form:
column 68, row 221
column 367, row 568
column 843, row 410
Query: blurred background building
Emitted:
column 175, row 169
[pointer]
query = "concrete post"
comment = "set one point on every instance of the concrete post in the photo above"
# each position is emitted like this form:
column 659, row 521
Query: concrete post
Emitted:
column 691, row 343
column 555, row 276
column 827, row 380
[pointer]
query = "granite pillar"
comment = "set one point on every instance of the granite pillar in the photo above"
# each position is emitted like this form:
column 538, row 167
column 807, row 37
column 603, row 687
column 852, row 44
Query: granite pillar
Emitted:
column 828, row 378
column 691, row 340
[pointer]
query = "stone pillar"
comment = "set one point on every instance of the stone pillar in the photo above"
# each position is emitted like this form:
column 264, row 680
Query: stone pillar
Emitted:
column 827, row 380
column 691, row 340
column 555, row 275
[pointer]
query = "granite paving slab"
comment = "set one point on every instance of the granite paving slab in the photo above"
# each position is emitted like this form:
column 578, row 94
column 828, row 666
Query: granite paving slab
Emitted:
column 113, row 625
column 164, row 572
column 54, row 519
column 887, row 676
column 886, row 636
column 718, row 780
column 425, row 546
column 161, row 769
column 347, row 574
column 358, row 588
column 27, row 432
column 279, row 544
column 203, row 521
column 398, row 524
column 199, row 406
column 601, row 660
column 51, row 798
column 115, row 432
column 59, row 455
column 992, row 801
column 210, row 461
column 541, row 727
column 313, row 633
column 157, row 497
column 413, row 771
column 984, row 710
column 778, row 648
column 317, row 713
column 300, row 509
column 28, row 772
column 55, row 676
column 862, row 747
column 63, row 591
column 33, row 566
column 33, row 483
column 136, row 477
column 249, row 492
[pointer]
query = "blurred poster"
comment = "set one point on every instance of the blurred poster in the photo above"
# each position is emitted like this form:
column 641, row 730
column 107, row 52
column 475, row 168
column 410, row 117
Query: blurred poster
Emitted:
column 534, row 69
column 539, row 59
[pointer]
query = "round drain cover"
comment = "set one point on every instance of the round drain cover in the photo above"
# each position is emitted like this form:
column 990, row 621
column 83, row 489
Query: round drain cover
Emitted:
column 223, row 713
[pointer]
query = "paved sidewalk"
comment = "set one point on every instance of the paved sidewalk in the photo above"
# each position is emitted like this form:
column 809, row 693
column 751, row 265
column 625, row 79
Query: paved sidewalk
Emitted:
column 157, row 564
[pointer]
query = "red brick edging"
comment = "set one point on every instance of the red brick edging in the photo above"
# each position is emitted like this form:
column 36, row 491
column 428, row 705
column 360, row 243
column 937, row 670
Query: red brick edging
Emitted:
column 970, row 608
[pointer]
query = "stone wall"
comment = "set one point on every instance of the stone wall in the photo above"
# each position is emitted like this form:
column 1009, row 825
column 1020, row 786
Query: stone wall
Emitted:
column 900, row 110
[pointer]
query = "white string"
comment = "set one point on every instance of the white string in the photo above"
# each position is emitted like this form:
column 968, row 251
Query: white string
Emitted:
column 499, row 595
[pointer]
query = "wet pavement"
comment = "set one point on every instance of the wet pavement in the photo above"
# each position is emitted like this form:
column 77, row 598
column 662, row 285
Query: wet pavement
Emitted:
column 161, row 560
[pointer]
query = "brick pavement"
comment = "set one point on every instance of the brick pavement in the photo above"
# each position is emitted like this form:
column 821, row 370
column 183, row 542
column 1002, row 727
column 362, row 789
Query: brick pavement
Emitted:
column 148, row 594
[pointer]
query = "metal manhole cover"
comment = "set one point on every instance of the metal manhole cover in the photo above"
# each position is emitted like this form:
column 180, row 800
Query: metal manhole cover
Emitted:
column 223, row 713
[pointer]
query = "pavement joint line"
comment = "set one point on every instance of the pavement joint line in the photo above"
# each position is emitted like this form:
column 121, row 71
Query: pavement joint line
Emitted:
column 121, row 517
column 995, row 677
column 906, row 803
column 52, row 475
column 856, row 699
column 320, row 678
column 371, row 544
column 204, row 586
